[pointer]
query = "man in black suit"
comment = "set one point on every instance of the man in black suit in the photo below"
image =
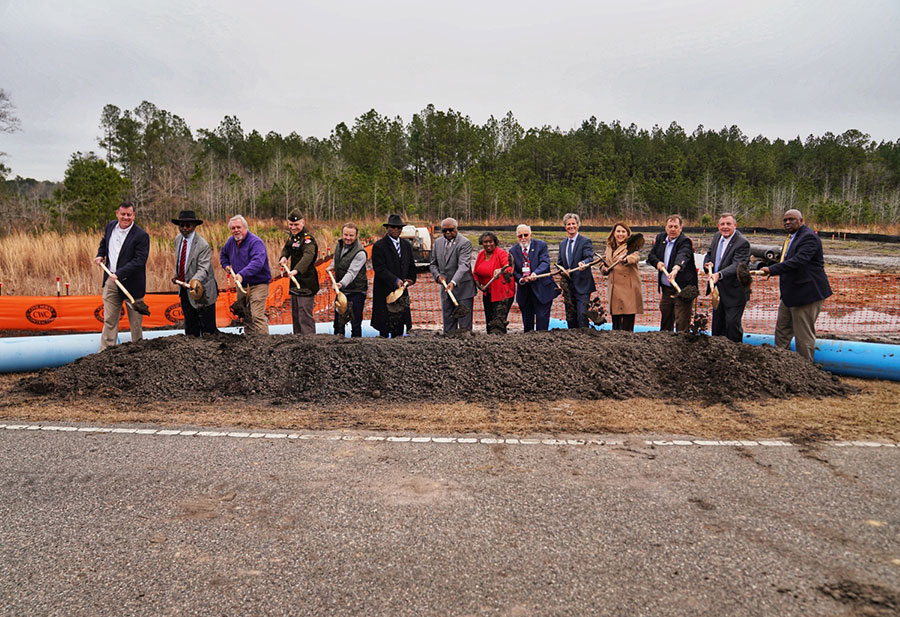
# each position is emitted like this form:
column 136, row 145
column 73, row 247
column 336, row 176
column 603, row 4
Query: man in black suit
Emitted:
column 673, row 256
column 393, row 265
column 124, row 248
column 728, row 250
column 803, row 286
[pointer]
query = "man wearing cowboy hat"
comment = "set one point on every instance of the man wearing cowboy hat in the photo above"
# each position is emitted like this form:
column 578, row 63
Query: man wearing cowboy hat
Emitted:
column 193, row 265
column 392, row 262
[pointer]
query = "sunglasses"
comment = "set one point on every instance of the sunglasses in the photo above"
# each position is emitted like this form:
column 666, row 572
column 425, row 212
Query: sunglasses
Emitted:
column 524, row 235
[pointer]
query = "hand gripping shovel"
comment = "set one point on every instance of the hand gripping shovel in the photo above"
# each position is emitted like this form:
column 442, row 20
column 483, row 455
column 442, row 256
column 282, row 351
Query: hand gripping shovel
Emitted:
column 461, row 310
column 241, row 306
column 195, row 289
column 139, row 305
column 688, row 293
column 341, row 305
column 285, row 271
column 398, row 300
column 712, row 288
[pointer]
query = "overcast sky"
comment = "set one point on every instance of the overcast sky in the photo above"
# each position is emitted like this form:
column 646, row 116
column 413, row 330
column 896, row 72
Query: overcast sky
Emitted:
column 776, row 68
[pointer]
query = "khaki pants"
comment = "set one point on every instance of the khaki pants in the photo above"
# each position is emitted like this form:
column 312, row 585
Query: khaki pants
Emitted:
column 256, row 295
column 798, row 322
column 112, row 311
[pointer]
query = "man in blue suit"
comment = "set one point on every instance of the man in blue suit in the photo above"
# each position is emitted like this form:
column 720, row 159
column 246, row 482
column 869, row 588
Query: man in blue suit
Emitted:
column 575, row 252
column 125, row 248
column 534, row 295
column 803, row 286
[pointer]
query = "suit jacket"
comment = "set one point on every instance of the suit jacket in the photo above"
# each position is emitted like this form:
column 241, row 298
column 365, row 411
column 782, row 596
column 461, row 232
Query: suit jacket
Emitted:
column 388, row 268
column 131, row 267
column 802, row 273
column 731, row 292
column 455, row 264
column 682, row 255
column 198, row 265
column 543, row 290
column 582, row 282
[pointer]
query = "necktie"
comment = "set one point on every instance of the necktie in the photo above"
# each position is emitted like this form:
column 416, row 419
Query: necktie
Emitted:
column 784, row 249
column 569, row 251
column 399, row 252
column 182, row 259
column 719, row 253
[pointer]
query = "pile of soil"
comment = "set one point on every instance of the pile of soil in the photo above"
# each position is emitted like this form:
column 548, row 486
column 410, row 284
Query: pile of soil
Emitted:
column 481, row 368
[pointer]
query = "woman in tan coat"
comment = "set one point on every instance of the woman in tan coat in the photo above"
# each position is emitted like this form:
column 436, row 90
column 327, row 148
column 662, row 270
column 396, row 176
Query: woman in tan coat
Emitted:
column 624, row 282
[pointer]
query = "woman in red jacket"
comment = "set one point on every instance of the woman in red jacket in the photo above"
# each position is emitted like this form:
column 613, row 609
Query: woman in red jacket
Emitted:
column 493, row 265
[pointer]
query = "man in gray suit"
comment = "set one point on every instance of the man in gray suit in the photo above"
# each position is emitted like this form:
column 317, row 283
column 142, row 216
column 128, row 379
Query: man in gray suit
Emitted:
column 193, row 262
column 451, row 263
column 728, row 251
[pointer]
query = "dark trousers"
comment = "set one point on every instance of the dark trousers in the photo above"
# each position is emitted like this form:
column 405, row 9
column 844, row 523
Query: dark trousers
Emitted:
column 395, row 323
column 726, row 321
column 357, row 303
column 674, row 312
column 576, row 309
column 623, row 322
column 302, row 314
column 197, row 321
column 535, row 313
column 495, row 314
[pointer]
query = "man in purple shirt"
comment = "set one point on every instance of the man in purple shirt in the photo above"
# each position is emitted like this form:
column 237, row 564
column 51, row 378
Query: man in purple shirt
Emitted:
column 245, row 256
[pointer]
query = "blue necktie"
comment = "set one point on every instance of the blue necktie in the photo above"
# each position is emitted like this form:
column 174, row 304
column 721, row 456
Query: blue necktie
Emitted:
column 719, row 253
column 569, row 251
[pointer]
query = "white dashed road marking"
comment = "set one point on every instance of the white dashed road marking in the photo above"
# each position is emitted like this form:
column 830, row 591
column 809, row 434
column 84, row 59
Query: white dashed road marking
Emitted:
column 765, row 443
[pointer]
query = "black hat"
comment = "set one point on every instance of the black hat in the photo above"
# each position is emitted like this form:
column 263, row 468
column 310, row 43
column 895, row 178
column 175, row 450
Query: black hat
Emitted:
column 187, row 216
column 294, row 216
column 394, row 220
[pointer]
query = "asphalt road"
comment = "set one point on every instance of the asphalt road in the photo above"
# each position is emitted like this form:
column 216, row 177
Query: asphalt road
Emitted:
column 127, row 524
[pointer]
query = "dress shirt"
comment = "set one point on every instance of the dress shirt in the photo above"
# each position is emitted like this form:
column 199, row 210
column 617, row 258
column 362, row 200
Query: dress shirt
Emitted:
column 116, row 240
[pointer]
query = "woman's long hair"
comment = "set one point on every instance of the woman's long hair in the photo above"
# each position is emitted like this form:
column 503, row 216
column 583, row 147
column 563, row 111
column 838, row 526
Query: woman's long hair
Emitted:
column 611, row 240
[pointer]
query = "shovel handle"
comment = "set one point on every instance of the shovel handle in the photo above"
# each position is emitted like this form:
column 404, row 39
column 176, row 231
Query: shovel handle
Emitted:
column 450, row 293
column 236, row 282
column 118, row 282
column 551, row 273
column 283, row 269
column 333, row 281
column 674, row 284
column 182, row 283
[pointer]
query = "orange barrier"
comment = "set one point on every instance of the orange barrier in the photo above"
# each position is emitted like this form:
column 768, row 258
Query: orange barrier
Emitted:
column 863, row 303
column 85, row 313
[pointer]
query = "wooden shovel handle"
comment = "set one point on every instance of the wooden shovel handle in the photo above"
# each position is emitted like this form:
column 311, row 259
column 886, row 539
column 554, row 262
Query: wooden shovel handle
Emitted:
column 236, row 282
column 450, row 293
column 118, row 282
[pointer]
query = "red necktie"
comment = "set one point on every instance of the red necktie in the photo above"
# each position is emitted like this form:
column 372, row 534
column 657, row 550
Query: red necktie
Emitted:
column 182, row 260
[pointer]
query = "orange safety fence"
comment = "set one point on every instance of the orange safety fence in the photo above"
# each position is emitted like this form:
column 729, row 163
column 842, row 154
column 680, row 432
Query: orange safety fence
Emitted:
column 863, row 303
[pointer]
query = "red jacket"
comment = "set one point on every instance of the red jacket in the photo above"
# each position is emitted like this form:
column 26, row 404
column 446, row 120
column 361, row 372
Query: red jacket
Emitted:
column 484, row 270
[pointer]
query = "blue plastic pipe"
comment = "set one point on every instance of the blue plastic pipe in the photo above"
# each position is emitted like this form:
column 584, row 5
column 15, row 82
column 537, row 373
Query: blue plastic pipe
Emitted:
column 32, row 353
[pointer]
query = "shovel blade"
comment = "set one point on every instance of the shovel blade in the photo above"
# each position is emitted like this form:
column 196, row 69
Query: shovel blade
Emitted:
column 141, row 307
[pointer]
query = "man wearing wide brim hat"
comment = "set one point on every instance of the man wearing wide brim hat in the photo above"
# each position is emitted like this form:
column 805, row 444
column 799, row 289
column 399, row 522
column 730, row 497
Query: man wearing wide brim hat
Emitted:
column 193, row 265
column 392, row 262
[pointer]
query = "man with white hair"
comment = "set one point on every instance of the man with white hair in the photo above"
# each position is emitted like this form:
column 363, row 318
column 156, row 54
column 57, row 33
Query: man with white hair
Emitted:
column 534, row 295
column 245, row 257
column 451, row 264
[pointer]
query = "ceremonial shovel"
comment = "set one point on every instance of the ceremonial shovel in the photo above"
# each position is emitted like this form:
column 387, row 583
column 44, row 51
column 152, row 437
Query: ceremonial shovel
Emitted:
column 341, row 305
column 461, row 310
column 712, row 288
column 395, row 295
column 241, row 306
column 195, row 288
column 139, row 305
column 285, row 271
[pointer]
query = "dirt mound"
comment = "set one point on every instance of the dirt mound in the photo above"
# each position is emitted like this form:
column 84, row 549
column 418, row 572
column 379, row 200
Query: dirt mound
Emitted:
column 537, row 366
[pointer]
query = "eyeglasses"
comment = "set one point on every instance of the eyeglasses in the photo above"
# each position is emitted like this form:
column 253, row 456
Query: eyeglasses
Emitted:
column 447, row 229
column 524, row 235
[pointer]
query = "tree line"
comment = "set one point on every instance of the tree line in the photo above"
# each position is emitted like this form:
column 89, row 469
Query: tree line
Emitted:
column 440, row 163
